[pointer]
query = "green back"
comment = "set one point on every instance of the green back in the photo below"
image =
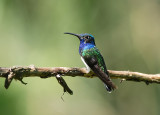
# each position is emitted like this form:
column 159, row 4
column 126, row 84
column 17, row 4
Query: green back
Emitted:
column 94, row 53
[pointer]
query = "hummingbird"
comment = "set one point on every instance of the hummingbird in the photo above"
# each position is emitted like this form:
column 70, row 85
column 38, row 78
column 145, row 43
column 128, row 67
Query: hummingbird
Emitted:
column 93, row 60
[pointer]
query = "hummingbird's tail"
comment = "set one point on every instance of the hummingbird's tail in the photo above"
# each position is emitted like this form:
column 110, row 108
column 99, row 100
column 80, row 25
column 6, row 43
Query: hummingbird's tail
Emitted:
column 108, row 88
column 104, row 76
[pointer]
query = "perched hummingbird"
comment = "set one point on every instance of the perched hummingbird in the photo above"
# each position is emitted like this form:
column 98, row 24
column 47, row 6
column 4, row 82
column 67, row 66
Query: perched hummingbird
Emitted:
column 93, row 59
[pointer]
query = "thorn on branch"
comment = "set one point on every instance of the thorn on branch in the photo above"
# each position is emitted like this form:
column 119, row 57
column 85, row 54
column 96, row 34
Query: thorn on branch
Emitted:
column 122, row 80
column 147, row 83
column 62, row 82
column 20, row 79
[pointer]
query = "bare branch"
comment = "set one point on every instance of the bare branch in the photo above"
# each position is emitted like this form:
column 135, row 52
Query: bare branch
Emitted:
column 44, row 72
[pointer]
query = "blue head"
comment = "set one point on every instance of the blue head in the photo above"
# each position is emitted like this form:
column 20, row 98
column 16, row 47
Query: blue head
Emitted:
column 86, row 41
column 84, row 38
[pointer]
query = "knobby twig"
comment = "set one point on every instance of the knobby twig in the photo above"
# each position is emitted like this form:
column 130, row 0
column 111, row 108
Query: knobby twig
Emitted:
column 45, row 72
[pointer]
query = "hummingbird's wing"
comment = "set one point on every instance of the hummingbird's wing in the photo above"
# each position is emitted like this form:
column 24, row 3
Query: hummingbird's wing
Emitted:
column 95, row 61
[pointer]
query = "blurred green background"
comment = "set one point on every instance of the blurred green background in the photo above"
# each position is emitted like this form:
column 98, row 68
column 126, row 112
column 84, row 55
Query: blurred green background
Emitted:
column 127, row 32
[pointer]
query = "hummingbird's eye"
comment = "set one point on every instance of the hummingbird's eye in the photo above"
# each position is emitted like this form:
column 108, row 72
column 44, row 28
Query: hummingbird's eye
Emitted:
column 88, row 37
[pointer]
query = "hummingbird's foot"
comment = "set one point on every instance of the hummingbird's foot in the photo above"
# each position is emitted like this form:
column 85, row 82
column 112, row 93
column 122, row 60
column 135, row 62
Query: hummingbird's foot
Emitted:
column 90, row 74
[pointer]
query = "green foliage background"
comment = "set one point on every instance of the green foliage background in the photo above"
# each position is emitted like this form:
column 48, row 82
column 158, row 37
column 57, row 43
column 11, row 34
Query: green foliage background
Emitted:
column 127, row 32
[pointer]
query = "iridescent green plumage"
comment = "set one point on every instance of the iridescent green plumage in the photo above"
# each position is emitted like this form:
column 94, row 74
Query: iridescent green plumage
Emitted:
column 94, row 52
column 93, row 59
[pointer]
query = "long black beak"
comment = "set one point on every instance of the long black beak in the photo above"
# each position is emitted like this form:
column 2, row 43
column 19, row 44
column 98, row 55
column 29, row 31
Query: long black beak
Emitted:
column 73, row 34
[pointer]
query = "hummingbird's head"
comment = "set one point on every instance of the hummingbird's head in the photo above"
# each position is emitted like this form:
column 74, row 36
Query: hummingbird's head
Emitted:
column 84, row 38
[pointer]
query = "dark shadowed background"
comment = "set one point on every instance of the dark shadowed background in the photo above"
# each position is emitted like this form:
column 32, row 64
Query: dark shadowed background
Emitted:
column 127, row 32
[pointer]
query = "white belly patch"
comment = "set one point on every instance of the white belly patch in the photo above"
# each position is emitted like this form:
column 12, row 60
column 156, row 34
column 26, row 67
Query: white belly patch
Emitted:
column 88, row 68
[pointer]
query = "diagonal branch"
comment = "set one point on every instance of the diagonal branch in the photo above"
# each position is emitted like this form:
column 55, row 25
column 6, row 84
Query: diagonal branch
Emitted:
column 44, row 72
